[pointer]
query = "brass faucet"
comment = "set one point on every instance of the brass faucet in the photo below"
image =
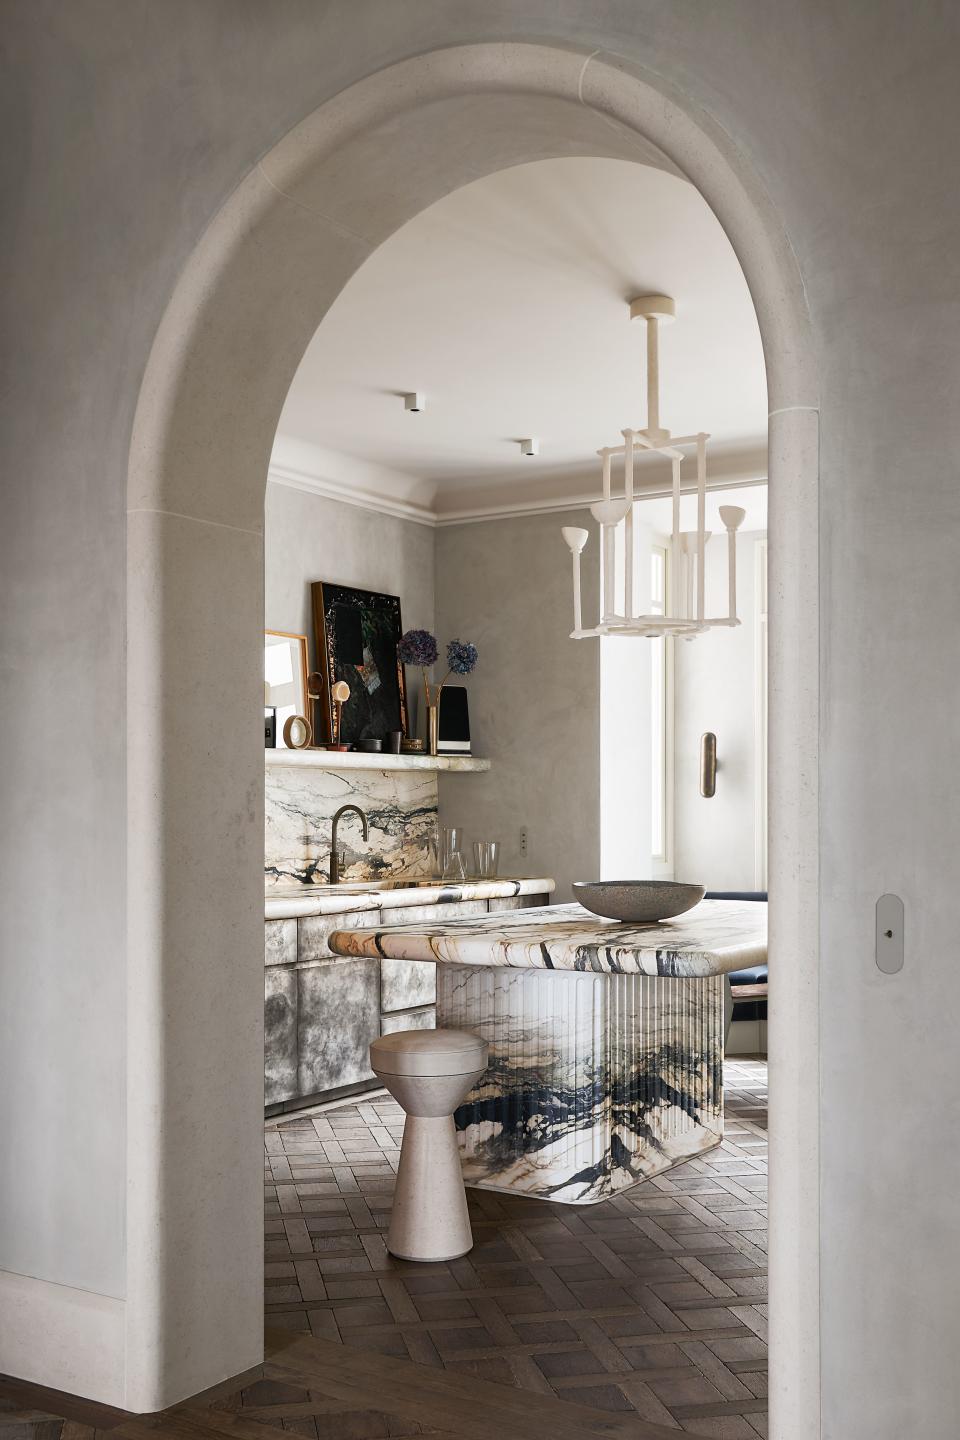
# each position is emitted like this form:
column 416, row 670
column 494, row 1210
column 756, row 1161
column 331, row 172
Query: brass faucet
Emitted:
column 334, row 852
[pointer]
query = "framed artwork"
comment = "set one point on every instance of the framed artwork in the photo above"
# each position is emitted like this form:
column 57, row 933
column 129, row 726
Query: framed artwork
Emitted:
column 356, row 634
column 285, row 677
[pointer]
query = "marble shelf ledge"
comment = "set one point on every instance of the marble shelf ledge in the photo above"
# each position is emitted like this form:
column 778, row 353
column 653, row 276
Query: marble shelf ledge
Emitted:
column 356, row 760
column 342, row 900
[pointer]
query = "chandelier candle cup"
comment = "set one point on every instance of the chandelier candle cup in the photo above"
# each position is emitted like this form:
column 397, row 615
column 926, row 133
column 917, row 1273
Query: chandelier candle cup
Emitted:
column 732, row 517
column 576, row 539
column 684, row 614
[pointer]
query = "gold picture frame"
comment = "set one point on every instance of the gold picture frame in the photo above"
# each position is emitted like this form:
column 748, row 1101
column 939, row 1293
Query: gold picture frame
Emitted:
column 285, row 668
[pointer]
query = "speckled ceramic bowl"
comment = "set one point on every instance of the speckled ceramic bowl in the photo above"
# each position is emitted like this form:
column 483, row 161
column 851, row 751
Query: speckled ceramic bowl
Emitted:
column 639, row 902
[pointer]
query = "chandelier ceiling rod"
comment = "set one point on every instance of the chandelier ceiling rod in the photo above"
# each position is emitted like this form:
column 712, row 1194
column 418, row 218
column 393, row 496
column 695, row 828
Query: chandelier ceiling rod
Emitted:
column 654, row 309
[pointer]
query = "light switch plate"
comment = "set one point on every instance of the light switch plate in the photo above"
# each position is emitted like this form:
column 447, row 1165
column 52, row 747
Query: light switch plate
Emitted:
column 889, row 934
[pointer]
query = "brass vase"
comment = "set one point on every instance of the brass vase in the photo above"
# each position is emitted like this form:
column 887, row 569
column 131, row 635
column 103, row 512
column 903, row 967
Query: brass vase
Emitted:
column 433, row 728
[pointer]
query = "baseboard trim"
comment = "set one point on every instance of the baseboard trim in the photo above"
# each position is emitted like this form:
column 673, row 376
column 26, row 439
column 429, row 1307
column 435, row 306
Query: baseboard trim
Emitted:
column 61, row 1338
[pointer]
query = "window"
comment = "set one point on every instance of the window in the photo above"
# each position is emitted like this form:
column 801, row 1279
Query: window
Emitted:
column 760, row 716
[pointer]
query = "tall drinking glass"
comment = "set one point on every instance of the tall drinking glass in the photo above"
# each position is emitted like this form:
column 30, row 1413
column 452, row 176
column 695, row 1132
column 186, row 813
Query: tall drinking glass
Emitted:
column 451, row 858
column 486, row 858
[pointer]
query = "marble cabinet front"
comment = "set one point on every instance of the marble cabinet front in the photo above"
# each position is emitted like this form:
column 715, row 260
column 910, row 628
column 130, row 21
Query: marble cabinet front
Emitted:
column 407, row 984
column 338, row 1014
column 279, row 1034
column 313, row 931
column 280, row 942
column 425, row 1019
column 322, row 1011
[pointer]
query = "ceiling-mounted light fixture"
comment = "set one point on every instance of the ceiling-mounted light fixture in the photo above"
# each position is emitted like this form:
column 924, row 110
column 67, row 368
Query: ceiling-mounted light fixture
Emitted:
column 414, row 401
column 684, row 602
column 530, row 447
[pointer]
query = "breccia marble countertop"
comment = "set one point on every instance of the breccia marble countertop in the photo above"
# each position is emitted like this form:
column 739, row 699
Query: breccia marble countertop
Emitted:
column 715, row 937
column 342, row 899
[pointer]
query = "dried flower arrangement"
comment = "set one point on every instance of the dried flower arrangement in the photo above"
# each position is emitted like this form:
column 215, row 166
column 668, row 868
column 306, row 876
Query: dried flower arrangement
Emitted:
column 419, row 647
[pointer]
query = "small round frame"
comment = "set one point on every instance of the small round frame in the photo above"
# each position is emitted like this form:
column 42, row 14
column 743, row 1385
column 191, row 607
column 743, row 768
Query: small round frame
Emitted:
column 297, row 732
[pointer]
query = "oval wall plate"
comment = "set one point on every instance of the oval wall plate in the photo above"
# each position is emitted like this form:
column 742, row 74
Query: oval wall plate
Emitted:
column 889, row 934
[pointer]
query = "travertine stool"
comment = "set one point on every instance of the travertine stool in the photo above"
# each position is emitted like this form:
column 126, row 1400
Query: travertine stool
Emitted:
column 428, row 1072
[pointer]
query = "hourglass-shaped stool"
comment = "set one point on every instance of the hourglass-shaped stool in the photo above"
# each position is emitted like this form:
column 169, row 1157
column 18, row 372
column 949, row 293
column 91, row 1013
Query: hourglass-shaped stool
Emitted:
column 428, row 1072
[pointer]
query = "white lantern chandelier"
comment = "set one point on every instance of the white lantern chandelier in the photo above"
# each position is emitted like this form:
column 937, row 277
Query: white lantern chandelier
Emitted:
column 683, row 612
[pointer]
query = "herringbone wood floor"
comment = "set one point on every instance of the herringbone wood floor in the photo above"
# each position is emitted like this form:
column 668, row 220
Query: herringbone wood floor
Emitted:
column 638, row 1318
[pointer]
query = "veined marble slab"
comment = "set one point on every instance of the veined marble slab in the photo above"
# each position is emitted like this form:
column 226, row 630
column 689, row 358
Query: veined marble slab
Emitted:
column 595, row 1082
column 606, row 1040
column 333, row 900
column 715, row 937
column 401, row 809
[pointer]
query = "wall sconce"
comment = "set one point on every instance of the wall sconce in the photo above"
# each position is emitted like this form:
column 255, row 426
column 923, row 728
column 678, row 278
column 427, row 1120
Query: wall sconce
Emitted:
column 708, row 765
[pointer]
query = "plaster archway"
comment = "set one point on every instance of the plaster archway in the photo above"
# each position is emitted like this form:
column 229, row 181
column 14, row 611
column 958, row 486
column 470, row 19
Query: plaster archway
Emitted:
column 243, row 311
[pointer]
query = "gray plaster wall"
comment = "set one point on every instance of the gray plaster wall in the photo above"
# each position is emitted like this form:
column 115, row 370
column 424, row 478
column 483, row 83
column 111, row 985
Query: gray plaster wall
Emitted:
column 310, row 537
column 505, row 586
column 125, row 128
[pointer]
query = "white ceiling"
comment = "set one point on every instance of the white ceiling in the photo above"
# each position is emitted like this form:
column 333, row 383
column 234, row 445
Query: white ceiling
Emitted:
column 505, row 304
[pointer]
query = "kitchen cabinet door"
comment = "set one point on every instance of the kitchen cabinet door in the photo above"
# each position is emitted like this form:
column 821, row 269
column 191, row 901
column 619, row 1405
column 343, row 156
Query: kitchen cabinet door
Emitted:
column 279, row 1034
column 338, row 1016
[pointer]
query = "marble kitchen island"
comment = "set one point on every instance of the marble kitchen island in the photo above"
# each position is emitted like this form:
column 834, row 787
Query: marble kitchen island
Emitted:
column 606, row 1040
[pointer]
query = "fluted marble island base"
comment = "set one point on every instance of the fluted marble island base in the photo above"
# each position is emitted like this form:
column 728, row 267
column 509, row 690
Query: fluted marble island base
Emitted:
column 594, row 1081
column 606, row 1040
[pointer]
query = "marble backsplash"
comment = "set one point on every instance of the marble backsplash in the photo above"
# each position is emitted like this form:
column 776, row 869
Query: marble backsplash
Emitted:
column 401, row 810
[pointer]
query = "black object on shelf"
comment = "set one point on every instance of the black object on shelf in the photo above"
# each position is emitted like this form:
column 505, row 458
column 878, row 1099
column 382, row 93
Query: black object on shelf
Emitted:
column 270, row 727
column 454, row 721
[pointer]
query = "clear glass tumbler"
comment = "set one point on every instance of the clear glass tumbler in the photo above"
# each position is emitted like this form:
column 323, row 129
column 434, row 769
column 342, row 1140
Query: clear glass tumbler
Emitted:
column 451, row 858
column 486, row 858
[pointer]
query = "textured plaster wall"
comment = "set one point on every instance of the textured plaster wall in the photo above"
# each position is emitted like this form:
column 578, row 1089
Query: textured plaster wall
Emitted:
column 308, row 537
column 505, row 585
column 125, row 128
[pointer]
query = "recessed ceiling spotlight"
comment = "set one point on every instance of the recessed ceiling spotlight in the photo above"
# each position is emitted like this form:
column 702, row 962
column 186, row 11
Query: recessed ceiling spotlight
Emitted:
column 414, row 401
column 530, row 447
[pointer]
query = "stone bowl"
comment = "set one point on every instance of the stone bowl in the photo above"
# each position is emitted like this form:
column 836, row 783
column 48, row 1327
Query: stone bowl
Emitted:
column 638, row 902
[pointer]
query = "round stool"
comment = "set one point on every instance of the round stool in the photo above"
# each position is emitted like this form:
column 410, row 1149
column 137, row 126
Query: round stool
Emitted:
column 428, row 1072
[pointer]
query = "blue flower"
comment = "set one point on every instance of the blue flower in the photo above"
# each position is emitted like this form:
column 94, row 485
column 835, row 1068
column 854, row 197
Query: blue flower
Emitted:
column 462, row 657
column 418, row 647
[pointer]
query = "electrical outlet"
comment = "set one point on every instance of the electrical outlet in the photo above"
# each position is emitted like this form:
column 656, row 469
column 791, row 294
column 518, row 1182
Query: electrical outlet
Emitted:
column 523, row 842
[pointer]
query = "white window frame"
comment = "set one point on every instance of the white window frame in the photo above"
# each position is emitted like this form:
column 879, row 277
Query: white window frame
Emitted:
column 760, row 711
column 662, row 861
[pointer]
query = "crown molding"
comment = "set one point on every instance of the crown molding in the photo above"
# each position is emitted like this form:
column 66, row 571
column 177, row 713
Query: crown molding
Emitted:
column 560, row 504
column 731, row 471
column 378, row 502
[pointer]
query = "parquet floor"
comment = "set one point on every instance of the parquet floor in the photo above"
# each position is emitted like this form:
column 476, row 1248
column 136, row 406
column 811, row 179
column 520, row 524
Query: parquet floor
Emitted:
column 639, row 1318
column 652, row 1303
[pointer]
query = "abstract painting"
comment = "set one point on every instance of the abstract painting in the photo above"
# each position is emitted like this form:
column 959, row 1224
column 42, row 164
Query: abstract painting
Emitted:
column 356, row 634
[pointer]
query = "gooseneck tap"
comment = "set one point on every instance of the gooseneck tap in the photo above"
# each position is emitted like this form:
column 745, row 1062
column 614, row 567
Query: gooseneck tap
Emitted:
column 334, row 852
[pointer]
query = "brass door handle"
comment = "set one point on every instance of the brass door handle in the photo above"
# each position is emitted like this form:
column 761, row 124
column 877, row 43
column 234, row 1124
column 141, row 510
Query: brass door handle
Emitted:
column 708, row 765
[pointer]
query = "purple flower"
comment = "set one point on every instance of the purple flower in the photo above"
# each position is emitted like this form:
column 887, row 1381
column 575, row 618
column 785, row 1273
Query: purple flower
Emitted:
column 462, row 657
column 418, row 647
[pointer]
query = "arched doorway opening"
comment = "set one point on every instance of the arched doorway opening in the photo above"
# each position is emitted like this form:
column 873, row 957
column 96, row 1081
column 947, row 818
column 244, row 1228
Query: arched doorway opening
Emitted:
column 242, row 314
